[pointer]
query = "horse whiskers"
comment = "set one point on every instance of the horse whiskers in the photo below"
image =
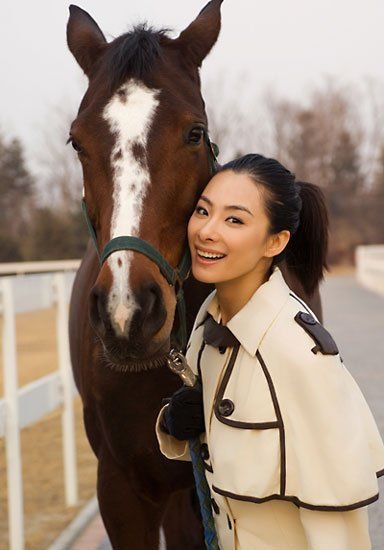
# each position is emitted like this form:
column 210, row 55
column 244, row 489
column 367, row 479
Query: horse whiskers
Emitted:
column 135, row 366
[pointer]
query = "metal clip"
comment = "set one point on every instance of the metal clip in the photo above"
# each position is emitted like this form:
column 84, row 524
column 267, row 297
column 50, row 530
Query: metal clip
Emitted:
column 178, row 364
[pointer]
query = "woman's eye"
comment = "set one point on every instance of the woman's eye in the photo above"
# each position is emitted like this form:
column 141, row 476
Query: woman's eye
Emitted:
column 195, row 135
column 237, row 221
column 198, row 208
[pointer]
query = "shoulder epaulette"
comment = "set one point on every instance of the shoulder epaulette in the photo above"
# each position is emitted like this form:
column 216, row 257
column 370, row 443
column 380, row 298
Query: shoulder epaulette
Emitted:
column 324, row 341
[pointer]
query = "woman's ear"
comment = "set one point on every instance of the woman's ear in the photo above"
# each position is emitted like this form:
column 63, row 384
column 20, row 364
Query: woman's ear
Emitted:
column 276, row 243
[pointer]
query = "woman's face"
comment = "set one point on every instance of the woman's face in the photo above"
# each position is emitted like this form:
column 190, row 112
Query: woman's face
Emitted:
column 228, row 232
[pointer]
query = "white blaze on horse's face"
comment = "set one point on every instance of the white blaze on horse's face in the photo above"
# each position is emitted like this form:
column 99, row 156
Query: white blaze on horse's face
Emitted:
column 129, row 113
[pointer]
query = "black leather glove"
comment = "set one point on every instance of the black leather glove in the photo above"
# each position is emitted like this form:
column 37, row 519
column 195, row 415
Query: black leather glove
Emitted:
column 184, row 416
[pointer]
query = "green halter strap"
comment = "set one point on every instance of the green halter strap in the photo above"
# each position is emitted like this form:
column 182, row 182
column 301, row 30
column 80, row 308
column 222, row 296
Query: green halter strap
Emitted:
column 174, row 276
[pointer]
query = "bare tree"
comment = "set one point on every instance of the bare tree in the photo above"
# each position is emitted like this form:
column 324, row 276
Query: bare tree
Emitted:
column 16, row 199
column 322, row 142
column 234, row 125
column 59, row 171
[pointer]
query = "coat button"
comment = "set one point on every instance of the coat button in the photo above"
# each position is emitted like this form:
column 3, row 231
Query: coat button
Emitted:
column 226, row 407
column 204, row 452
column 307, row 318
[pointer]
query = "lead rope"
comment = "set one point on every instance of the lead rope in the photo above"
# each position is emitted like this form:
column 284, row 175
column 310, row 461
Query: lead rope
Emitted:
column 178, row 364
column 202, row 487
column 204, row 495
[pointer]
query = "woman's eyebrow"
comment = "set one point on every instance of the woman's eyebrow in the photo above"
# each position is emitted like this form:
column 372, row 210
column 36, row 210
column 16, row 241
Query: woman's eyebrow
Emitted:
column 229, row 207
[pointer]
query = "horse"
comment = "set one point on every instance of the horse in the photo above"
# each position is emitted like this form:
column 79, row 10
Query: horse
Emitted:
column 141, row 135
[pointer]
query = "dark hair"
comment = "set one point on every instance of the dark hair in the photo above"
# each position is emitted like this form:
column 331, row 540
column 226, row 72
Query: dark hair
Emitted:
column 295, row 206
column 134, row 53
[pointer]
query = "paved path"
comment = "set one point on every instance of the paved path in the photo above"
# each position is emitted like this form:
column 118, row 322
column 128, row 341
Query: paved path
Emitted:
column 93, row 537
column 355, row 317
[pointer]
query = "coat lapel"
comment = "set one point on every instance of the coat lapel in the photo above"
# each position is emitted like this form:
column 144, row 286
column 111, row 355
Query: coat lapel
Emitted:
column 251, row 323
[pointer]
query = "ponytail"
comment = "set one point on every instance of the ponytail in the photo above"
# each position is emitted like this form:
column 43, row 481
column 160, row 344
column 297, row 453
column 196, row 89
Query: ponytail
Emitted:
column 306, row 253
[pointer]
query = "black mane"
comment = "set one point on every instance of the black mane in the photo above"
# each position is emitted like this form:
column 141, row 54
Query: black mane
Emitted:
column 133, row 53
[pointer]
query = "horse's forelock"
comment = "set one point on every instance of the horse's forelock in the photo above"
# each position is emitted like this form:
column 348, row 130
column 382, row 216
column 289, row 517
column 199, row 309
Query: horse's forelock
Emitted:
column 133, row 54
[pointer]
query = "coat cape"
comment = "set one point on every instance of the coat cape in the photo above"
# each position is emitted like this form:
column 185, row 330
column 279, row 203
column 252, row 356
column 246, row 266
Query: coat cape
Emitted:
column 285, row 420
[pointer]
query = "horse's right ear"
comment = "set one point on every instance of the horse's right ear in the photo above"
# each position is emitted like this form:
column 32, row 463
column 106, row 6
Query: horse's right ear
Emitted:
column 84, row 37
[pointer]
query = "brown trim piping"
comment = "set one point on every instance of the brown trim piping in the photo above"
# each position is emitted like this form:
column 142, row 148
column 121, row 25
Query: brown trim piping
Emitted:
column 380, row 473
column 249, row 425
column 202, row 321
column 224, row 382
column 297, row 502
column 199, row 360
column 300, row 302
column 196, row 327
column 237, row 423
column 280, row 421
column 208, row 467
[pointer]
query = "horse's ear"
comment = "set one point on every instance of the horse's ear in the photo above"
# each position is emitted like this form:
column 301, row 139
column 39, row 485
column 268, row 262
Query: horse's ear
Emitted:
column 198, row 38
column 85, row 39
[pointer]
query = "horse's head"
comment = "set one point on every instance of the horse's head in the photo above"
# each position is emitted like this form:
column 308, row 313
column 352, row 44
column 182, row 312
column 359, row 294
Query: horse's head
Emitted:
column 140, row 134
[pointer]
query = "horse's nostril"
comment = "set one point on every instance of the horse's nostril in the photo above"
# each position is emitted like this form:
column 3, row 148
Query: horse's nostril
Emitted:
column 153, row 312
column 149, row 297
column 96, row 304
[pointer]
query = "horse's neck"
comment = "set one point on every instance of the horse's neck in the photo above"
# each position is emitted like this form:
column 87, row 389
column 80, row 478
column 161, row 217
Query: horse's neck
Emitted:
column 195, row 294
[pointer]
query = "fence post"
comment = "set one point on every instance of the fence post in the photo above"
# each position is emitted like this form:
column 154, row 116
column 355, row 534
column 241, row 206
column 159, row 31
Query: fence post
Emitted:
column 67, row 418
column 12, row 435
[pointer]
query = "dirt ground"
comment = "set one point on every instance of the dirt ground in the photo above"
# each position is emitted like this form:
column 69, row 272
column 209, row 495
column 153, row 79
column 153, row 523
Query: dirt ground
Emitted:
column 44, row 503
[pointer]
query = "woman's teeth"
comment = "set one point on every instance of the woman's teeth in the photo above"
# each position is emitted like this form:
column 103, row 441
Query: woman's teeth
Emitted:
column 209, row 255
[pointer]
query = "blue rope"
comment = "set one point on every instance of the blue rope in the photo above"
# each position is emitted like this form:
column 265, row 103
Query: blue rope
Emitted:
column 204, row 494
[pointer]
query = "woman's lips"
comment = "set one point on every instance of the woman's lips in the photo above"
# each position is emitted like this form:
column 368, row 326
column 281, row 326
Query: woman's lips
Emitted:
column 207, row 261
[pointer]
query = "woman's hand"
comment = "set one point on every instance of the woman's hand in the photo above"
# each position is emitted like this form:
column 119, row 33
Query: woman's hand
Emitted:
column 184, row 416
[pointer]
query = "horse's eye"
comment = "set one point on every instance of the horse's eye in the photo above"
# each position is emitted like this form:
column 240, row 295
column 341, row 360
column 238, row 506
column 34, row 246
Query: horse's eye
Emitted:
column 196, row 134
column 75, row 145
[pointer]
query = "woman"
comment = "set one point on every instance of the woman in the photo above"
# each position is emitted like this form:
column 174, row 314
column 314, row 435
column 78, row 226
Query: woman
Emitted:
column 291, row 449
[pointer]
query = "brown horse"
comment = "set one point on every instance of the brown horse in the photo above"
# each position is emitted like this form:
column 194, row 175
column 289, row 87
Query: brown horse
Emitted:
column 140, row 135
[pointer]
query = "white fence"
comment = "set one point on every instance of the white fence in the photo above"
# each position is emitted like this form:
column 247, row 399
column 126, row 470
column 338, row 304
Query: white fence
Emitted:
column 21, row 407
column 370, row 266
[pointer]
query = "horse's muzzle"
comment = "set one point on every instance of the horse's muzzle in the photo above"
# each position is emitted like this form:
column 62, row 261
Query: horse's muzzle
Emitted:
column 130, row 332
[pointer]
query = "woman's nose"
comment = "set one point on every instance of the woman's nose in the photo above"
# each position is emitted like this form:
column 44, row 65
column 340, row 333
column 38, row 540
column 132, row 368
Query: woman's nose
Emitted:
column 208, row 232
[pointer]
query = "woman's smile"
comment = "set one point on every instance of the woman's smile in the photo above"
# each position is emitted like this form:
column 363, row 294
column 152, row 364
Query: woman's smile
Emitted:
column 228, row 230
column 207, row 257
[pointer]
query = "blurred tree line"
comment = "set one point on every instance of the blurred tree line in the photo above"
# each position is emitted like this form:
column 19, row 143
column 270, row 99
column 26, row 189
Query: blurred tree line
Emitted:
column 39, row 219
column 334, row 139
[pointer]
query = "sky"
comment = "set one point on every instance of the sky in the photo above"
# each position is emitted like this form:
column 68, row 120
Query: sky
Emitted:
column 286, row 46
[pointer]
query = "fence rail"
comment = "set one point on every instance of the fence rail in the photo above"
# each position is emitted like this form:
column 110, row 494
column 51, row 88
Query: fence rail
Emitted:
column 26, row 268
column 21, row 407
column 370, row 266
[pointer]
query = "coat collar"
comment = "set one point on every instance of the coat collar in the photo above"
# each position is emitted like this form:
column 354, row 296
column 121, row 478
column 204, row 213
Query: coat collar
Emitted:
column 251, row 323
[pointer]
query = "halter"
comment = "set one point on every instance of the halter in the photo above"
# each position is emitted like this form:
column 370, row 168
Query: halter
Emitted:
column 174, row 276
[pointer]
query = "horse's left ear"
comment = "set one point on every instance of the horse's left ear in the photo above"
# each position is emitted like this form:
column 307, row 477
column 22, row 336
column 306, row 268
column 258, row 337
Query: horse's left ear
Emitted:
column 198, row 38
column 85, row 38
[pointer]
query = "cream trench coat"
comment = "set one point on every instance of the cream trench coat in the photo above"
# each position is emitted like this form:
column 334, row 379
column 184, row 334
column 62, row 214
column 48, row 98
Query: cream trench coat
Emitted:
column 292, row 451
